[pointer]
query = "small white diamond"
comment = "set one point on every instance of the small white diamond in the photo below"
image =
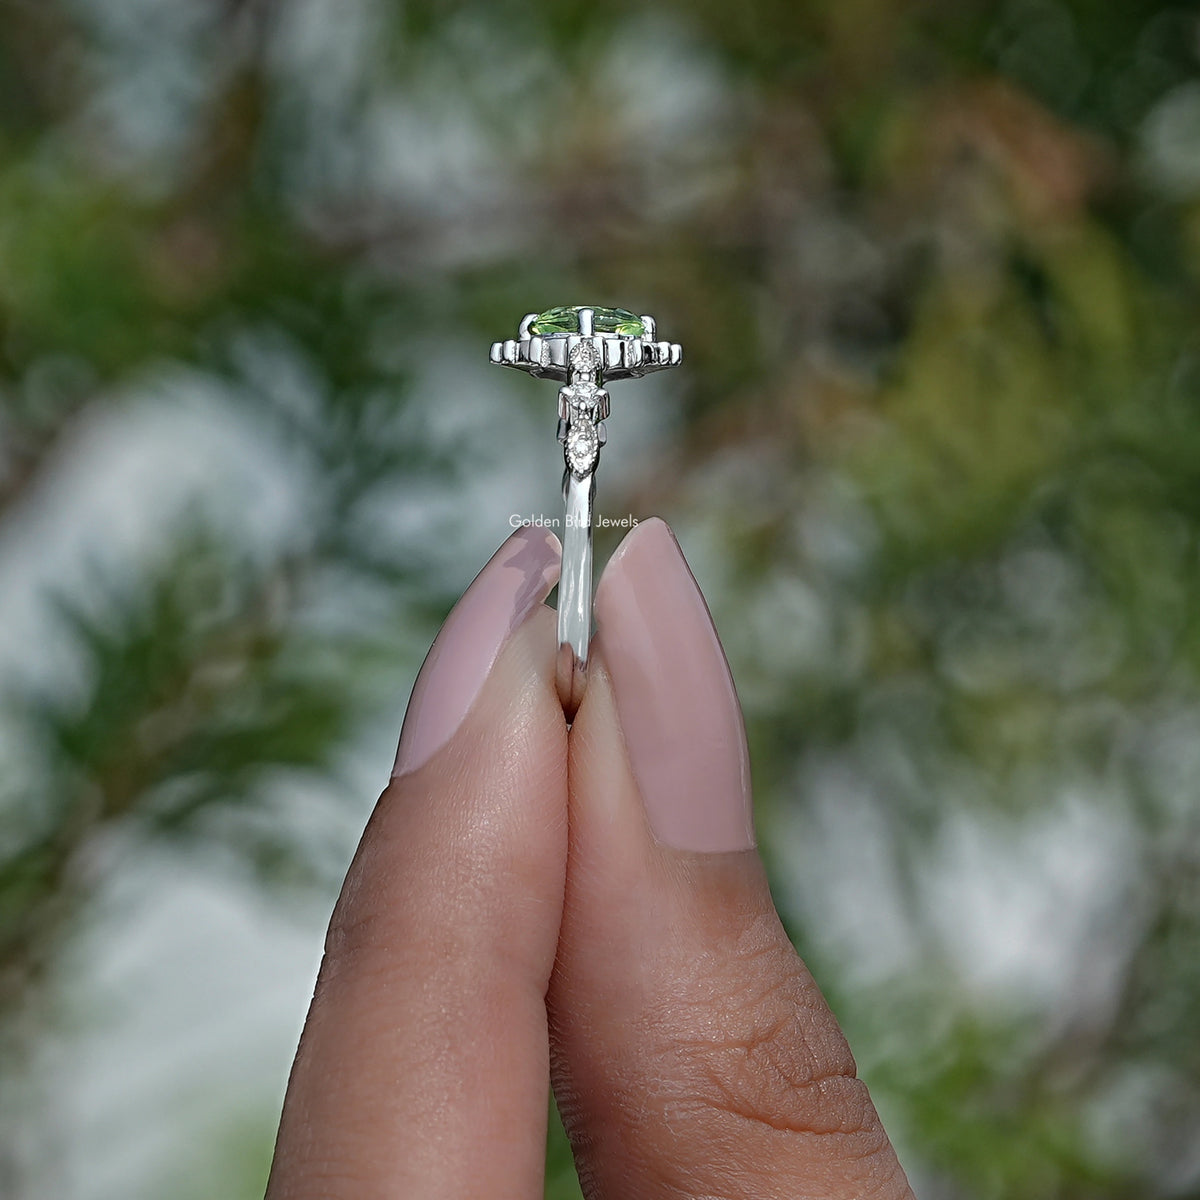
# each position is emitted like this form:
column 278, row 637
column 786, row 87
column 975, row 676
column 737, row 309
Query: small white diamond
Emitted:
column 583, row 398
column 585, row 357
column 582, row 446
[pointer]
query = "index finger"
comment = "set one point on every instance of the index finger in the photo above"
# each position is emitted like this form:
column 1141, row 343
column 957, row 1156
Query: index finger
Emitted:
column 423, row 1066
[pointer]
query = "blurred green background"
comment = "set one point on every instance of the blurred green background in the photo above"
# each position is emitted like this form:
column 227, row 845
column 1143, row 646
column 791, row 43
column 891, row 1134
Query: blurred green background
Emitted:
column 934, row 456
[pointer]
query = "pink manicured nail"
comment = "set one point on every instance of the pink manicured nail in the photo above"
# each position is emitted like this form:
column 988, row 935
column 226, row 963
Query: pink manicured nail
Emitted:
column 675, row 698
column 516, row 579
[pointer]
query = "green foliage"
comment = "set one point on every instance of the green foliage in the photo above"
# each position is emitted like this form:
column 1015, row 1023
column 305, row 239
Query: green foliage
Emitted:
column 942, row 485
column 561, row 1183
column 234, row 1165
column 195, row 690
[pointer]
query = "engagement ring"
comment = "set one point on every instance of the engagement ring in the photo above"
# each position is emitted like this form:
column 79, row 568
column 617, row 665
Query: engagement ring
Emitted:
column 584, row 347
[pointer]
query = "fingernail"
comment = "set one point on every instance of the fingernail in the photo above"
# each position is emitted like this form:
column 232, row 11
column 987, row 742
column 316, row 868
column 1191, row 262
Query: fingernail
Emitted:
column 516, row 579
column 675, row 698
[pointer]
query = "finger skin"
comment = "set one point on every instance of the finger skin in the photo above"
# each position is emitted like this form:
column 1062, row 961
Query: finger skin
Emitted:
column 692, row 1053
column 423, row 1064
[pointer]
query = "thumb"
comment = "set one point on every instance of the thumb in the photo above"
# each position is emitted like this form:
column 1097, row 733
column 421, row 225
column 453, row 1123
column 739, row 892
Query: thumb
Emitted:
column 693, row 1055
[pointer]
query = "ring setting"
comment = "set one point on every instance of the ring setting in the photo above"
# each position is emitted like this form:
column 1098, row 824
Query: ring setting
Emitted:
column 584, row 347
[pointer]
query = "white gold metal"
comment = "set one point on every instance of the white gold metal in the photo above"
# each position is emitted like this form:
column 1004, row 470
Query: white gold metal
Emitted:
column 583, row 362
column 575, row 589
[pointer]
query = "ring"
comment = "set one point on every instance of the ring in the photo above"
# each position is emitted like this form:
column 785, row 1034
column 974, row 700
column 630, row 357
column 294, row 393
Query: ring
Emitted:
column 584, row 347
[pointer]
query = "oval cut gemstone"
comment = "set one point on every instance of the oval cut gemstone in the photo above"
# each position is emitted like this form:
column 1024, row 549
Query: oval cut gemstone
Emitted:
column 565, row 319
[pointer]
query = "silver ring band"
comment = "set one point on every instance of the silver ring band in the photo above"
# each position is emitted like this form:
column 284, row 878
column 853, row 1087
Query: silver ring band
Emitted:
column 575, row 589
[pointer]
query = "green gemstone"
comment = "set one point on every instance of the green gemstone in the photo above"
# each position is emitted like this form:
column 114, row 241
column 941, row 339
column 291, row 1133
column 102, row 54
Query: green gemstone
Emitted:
column 565, row 319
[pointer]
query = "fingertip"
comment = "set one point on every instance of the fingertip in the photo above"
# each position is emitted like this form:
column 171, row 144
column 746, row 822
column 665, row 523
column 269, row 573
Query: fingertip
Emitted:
column 675, row 696
column 512, row 584
column 652, row 534
column 543, row 543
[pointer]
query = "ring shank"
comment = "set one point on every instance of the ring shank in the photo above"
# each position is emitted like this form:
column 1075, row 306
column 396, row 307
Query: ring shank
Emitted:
column 575, row 589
